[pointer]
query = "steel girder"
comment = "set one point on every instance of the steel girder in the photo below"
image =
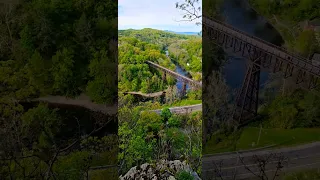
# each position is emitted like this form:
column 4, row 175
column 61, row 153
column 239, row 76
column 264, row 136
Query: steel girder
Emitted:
column 304, row 74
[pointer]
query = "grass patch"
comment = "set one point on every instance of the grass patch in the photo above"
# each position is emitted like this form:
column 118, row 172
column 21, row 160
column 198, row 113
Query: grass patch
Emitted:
column 281, row 137
column 312, row 174
column 101, row 159
column 105, row 158
column 221, row 143
column 247, row 139
column 102, row 174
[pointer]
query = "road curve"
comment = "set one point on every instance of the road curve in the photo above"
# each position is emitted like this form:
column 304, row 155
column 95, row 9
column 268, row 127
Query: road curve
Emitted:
column 299, row 157
column 182, row 109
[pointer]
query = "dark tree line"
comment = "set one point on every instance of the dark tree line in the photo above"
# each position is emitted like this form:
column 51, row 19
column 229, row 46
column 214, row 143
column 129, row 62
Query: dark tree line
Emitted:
column 59, row 47
column 56, row 47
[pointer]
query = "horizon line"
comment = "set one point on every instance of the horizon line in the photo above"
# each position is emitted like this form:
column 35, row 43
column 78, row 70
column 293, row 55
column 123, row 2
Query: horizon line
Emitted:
column 158, row 29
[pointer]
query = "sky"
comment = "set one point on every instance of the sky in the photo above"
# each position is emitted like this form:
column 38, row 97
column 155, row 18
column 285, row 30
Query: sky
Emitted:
column 156, row 14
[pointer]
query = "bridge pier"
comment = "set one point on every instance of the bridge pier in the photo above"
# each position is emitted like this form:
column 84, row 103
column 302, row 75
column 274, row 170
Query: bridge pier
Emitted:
column 164, row 76
column 184, row 89
column 248, row 97
column 163, row 98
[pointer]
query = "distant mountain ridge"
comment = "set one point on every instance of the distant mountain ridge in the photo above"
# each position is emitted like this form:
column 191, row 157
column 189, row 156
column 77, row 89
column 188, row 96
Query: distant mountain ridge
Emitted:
column 168, row 31
column 184, row 33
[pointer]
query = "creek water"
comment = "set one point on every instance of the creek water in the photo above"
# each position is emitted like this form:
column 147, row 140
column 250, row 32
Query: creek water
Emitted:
column 180, row 71
column 239, row 14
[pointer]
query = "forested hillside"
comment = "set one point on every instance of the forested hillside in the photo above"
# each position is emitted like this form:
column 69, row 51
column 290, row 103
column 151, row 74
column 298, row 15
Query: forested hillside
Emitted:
column 289, row 18
column 58, row 47
column 148, row 137
column 138, row 46
column 288, row 106
column 66, row 48
column 188, row 53
column 153, row 36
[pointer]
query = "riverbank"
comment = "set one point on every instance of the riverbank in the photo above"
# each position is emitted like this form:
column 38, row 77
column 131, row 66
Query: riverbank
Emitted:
column 197, row 76
column 289, row 21
column 273, row 22
column 179, row 68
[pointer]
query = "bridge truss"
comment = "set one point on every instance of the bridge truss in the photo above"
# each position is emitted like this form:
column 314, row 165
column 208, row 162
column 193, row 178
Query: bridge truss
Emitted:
column 184, row 79
column 261, row 55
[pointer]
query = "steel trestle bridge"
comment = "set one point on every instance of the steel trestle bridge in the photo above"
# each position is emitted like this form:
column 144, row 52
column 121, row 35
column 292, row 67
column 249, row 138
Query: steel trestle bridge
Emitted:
column 261, row 55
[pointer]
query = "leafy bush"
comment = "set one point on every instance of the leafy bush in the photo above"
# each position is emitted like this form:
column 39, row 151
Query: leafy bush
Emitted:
column 174, row 121
column 165, row 114
column 183, row 175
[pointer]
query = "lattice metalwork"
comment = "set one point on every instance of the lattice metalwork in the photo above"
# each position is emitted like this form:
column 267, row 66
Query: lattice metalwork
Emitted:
column 261, row 55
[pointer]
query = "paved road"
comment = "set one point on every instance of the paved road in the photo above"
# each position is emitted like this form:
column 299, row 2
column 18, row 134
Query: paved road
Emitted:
column 149, row 95
column 300, row 157
column 182, row 109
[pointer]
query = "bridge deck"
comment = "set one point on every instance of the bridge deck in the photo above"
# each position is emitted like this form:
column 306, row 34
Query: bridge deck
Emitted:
column 295, row 59
column 175, row 74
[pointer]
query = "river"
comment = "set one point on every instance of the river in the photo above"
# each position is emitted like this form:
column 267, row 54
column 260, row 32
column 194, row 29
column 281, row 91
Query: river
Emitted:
column 180, row 71
column 241, row 16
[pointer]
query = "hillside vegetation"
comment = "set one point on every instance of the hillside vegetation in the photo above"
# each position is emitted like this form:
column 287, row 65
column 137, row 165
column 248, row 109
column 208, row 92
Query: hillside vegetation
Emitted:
column 289, row 17
column 148, row 137
column 59, row 48
column 138, row 46
column 189, row 55
column 65, row 48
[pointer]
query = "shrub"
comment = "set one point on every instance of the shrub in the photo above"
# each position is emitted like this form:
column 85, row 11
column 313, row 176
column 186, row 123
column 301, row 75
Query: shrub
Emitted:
column 183, row 175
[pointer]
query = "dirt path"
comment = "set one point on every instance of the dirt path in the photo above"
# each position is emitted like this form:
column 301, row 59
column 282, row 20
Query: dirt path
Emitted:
column 82, row 100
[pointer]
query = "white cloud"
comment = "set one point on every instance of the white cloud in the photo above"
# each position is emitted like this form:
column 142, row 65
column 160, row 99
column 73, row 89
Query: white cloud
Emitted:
column 159, row 14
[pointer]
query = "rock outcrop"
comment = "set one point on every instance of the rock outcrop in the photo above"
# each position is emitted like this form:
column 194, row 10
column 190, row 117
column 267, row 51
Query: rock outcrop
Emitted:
column 163, row 170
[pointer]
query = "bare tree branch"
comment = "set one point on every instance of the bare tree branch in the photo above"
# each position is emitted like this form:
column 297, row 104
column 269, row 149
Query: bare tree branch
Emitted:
column 193, row 12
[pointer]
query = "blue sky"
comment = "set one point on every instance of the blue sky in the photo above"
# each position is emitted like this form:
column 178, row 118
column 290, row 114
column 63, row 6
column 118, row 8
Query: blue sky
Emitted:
column 157, row 14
